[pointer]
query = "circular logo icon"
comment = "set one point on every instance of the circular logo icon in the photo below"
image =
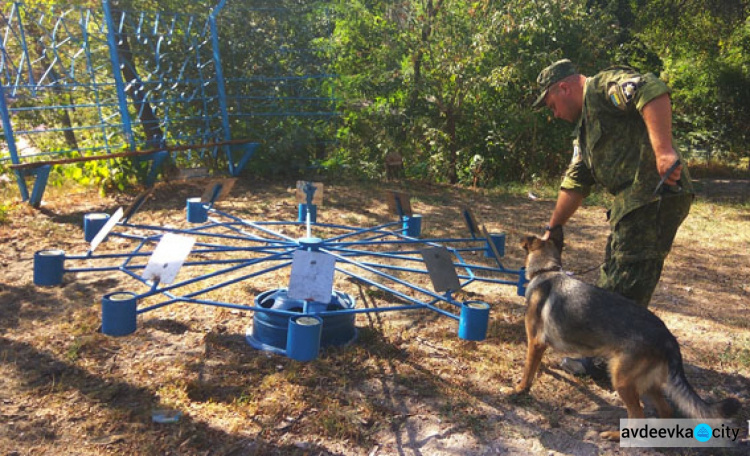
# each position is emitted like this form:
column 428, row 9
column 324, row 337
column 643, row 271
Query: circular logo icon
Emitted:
column 702, row 432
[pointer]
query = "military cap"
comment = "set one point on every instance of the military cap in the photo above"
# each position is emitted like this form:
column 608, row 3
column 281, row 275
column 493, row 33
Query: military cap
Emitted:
column 552, row 74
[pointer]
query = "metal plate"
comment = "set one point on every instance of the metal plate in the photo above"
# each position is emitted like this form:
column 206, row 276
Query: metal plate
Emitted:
column 301, row 194
column 399, row 203
column 116, row 217
column 491, row 243
column 218, row 190
column 192, row 173
column 136, row 204
column 471, row 221
column 311, row 278
column 168, row 257
column 440, row 266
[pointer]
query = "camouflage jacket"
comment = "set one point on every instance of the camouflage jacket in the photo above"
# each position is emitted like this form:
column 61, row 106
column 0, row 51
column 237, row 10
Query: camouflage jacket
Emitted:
column 611, row 145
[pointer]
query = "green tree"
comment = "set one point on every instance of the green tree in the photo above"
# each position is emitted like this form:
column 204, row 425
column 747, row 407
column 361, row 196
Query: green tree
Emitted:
column 449, row 83
column 704, row 48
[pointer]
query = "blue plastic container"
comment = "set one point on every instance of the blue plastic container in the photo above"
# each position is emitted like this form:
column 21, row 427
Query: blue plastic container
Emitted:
column 197, row 211
column 475, row 316
column 93, row 223
column 48, row 267
column 302, row 213
column 119, row 313
column 412, row 225
column 303, row 337
column 499, row 241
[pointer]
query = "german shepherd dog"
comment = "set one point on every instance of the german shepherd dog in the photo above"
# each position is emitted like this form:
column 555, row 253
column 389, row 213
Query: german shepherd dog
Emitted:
column 574, row 317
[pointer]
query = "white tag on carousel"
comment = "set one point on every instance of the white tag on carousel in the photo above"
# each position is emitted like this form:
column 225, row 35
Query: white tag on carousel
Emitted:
column 104, row 231
column 168, row 257
column 312, row 276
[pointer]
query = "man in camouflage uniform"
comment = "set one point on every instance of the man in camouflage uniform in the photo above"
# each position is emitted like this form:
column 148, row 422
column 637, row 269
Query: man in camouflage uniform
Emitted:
column 623, row 142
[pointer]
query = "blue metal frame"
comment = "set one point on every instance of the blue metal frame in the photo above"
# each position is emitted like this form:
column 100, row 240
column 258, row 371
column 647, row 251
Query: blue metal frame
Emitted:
column 64, row 60
column 243, row 249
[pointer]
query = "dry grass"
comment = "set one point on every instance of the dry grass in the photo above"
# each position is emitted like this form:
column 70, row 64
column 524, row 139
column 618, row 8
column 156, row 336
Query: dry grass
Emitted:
column 407, row 386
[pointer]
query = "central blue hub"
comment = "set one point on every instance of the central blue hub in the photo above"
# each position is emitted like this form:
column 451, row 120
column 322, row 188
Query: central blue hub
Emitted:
column 269, row 331
column 311, row 243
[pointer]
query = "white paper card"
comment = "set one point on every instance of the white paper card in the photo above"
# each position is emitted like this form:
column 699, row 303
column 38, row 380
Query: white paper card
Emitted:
column 104, row 231
column 168, row 257
column 312, row 276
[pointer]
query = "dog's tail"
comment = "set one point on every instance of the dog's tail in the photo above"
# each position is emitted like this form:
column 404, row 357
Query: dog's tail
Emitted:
column 684, row 396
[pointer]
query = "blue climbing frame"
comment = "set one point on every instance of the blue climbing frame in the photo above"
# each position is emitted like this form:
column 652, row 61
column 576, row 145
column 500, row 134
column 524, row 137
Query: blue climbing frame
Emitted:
column 82, row 83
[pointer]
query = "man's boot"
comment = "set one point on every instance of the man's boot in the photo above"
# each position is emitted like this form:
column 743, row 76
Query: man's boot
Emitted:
column 585, row 367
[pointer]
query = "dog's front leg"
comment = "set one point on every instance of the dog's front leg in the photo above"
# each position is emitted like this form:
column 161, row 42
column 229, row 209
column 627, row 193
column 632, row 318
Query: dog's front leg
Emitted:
column 534, row 354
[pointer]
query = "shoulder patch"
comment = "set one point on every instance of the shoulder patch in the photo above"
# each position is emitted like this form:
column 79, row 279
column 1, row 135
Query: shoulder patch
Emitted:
column 621, row 94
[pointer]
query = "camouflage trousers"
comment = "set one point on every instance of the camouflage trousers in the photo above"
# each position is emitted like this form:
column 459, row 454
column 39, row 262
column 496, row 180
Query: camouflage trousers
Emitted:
column 638, row 246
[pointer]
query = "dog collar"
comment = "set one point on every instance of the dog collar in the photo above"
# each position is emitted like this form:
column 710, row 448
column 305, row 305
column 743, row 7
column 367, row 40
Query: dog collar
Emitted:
column 536, row 272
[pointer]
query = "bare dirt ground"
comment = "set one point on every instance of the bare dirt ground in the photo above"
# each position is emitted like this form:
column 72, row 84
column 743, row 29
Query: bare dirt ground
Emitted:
column 407, row 386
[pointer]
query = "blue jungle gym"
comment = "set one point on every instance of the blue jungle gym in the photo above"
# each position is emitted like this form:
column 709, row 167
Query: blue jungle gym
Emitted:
column 82, row 84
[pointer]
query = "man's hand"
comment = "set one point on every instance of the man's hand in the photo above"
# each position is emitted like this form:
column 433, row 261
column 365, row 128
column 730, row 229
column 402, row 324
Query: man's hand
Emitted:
column 568, row 201
column 663, row 162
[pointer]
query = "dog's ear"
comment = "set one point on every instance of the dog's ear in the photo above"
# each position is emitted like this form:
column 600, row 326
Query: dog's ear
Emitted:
column 527, row 241
column 556, row 236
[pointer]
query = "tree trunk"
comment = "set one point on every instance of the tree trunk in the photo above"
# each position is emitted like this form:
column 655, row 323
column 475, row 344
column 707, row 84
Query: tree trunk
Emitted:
column 450, row 127
column 430, row 13
column 135, row 90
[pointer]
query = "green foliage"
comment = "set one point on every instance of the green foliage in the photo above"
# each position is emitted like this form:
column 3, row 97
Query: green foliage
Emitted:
column 444, row 82
column 4, row 213
column 443, row 85
column 447, row 84
column 705, row 48
column 117, row 174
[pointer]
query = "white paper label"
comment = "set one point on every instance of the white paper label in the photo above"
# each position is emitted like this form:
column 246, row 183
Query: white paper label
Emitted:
column 168, row 257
